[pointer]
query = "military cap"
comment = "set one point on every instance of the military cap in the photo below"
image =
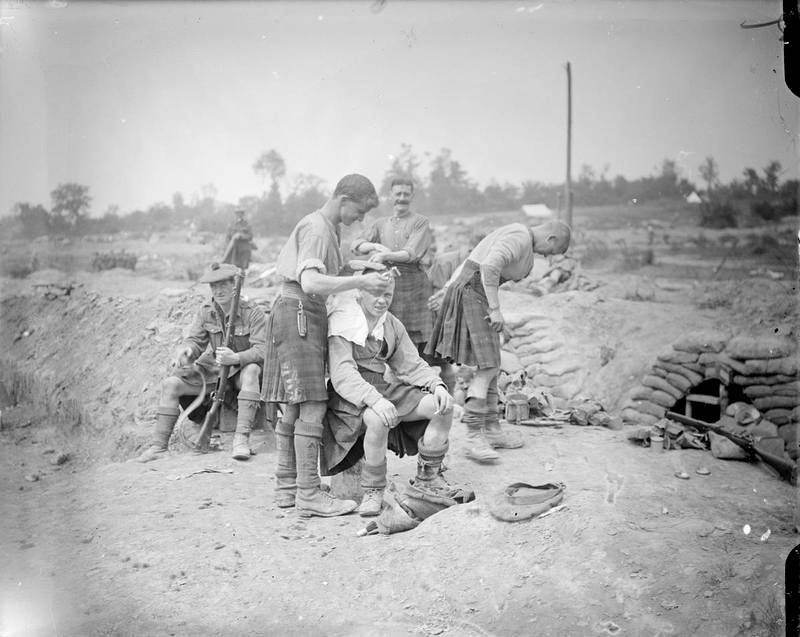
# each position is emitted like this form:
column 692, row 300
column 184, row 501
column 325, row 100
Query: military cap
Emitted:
column 219, row 272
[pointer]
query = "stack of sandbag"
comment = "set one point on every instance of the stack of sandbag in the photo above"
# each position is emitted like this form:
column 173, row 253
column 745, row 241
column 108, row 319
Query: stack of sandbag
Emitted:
column 677, row 369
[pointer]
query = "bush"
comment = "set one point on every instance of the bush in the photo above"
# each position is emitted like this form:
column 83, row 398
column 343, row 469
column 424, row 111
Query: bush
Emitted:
column 718, row 214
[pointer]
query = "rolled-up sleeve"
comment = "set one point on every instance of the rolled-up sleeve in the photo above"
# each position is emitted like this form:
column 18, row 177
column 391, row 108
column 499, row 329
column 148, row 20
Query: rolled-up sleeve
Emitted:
column 419, row 240
column 406, row 363
column 369, row 234
column 345, row 378
column 311, row 248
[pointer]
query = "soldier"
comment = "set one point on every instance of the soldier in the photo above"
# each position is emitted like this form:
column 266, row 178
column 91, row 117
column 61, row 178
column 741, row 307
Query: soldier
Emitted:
column 410, row 413
column 294, row 369
column 240, row 241
column 403, row 241
column 468, row 326
column 204, row 347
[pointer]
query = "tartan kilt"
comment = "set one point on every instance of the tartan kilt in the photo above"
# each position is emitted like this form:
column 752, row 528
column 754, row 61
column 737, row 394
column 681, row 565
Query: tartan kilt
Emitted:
column 294, row 366
column 343, row 433
column 461, row 333
column 410, row 303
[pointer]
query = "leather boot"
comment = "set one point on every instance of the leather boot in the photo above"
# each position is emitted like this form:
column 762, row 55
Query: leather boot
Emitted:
column 373, row 481
column 248, row 403
column 286, row 471
column 429, row 467
column 310, row 499
column 495, row 436
column 477, row 447
column 166, row 417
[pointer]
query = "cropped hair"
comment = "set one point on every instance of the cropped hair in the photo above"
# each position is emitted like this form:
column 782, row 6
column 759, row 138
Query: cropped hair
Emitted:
column 357, row 188
column 402, row 181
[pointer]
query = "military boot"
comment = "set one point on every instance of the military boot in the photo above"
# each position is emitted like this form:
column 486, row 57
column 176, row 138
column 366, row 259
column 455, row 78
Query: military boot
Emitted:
column 286, row 471
column 495, row 436
column 373, row 481
column 310, row 499
column 429, row 467
column 248, row 403
column 477, row 447
column 166, row 417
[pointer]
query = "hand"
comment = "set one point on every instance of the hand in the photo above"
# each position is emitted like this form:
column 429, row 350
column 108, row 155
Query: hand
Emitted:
column 387, row 412
column 435, row 301
column 226, row 356
column 444, row 401
column 377, row 257
column 183, row 357
column 375, row 283
column 378, row 247
column 496, row 320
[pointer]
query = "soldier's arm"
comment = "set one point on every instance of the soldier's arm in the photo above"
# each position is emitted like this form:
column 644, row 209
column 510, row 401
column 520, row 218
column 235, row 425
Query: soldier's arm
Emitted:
column 345, row 378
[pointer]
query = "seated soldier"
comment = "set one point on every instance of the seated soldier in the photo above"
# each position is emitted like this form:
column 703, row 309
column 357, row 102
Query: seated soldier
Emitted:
column 383, row 395
column 204, row 347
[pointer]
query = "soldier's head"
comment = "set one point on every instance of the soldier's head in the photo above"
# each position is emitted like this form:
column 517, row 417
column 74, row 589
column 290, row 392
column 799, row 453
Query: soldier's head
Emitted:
column 376, row 306
column 402, row 192
column 239, row 213
column 551, row 237
column 220, row 278
column 357, row 196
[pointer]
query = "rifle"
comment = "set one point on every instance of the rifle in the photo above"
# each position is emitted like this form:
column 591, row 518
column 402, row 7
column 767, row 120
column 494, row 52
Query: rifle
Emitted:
column 218, row 395
column 785, row 468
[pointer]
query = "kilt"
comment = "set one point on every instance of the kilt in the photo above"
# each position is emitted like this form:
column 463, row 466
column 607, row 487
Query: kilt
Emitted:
column 344, row 429
column 411, row 291
column 294, row 365
column 462, row 333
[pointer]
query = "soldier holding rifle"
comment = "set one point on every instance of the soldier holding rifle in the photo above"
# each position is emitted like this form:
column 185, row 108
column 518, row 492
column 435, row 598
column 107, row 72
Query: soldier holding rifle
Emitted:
column 202, row 355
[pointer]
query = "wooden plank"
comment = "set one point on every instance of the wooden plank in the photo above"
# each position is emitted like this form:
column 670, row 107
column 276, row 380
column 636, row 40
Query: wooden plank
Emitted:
column 703, row 398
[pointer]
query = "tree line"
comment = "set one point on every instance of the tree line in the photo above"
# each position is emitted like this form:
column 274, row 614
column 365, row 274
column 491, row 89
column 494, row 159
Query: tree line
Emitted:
column 445, row 188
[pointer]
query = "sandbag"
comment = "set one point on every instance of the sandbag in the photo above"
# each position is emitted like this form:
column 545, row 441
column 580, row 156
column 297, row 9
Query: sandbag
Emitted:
column 765, row 346
column 778, row 416
column 757, row 367
column 662, row 384
column 691, row 375
column 538, row 347
column 723, row 448
column 764, row 429
column 654, row 396
column 646, row 407
column 773, row 379
column 788, row 433
column 775, row 402
column 758, row 391
column 783, row 389
column 679, row 382
column 794, row 416
column 710, row 359
column 702, row 341
column 670, row 355
column 509, row 363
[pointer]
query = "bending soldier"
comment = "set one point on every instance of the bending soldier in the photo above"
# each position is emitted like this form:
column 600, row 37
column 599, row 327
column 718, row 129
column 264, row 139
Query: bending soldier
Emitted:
column 294, row 369
column 240, row 241
column 201, row 354
column 468, row 326
column 408, row 413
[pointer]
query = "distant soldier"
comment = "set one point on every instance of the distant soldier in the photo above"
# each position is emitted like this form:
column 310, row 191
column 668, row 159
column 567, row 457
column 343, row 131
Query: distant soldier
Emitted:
column 468, row 326
column 403, row 241
column 240, row 241
column 201, row 354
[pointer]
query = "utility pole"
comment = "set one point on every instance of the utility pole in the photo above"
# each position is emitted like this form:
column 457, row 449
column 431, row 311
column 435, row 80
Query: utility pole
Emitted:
column 568, row 184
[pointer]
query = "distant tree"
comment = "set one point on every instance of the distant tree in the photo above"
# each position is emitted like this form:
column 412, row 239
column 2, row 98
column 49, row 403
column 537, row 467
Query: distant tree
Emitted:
column 752, row 181
column 771, row 172
column 405, row 164
column 307, row 194
column 71, row 203
column 449, row 188
column 34, row 220
column 270, row 165
column 709, row 171
column 208, row 192
column 178, row 204
column 498, row 198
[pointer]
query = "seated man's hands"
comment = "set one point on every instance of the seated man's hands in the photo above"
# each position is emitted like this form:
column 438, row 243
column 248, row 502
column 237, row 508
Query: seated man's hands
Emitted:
column 226, row 356
column 387, row 412
column 444, row 401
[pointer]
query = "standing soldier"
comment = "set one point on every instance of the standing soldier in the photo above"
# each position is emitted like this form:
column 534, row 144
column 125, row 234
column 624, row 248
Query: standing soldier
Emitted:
column 204, row 347
column 403, row 241
column 294, row 368
column 468, row 326
column 240, row 241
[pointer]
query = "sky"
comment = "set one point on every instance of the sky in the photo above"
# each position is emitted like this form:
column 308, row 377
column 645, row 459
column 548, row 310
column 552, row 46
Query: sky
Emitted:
column 140, row 100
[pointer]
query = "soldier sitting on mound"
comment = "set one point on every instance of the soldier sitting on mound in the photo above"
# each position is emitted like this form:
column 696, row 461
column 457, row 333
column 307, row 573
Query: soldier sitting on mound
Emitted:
column 383, row 394
column 203, row 346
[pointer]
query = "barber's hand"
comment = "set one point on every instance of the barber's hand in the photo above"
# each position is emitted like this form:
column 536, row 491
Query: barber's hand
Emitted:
column 444, row 401
column 375, row 283
column 378, row 247
column 388, row 413
column 226, row 356
column 496, row 320
column 435, row 301
column 377, row 257
column 183, row 357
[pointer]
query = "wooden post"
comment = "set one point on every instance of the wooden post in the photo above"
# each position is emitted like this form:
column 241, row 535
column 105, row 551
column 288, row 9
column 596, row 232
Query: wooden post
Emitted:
column 568, row 184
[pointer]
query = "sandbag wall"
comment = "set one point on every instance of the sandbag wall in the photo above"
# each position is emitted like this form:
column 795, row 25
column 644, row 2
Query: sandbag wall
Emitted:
column 765, row 366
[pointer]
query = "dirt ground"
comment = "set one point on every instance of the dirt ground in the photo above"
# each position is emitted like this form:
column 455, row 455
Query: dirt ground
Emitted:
column 193, row 545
